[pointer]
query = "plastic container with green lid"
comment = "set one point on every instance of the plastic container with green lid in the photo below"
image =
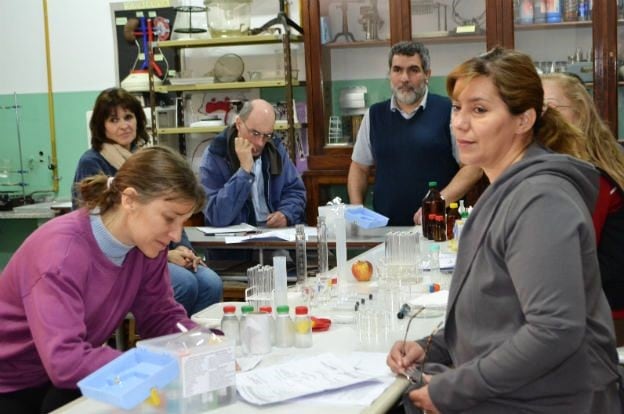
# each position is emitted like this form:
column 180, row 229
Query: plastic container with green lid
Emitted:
column 284, row 328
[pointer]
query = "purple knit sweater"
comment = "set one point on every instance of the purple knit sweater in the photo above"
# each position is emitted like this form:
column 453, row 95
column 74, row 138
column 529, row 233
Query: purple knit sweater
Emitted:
column 61, row 298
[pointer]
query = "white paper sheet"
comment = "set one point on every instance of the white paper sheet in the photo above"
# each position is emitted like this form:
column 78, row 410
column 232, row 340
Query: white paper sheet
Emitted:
column 238, row 228
column 294, row 379
column 364, row 393
column 435, row 300
column 287, row 234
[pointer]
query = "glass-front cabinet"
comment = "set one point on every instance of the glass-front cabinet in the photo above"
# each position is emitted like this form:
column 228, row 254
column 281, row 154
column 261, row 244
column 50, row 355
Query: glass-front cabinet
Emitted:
column 347, row 44
column 579, row 37
column 453, row 31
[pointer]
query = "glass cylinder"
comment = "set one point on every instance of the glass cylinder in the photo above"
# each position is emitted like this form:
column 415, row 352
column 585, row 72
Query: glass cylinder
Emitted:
column 322, row 249
column 301, row 256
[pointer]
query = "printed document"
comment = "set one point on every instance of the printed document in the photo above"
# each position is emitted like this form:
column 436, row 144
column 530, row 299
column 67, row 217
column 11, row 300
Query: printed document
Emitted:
column 238, row 228
column 287, row 234
column 300, row 377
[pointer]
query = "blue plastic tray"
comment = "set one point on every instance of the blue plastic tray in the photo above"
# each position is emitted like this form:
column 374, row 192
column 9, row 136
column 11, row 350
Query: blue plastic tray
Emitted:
column 365, row 218
column 127, row 380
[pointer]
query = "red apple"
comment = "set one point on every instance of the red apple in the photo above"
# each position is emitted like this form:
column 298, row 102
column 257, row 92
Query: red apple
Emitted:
column 362, row 270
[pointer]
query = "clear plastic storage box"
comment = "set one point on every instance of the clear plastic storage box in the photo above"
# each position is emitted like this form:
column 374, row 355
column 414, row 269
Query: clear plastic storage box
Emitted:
column 207, row 378
column 129, row 379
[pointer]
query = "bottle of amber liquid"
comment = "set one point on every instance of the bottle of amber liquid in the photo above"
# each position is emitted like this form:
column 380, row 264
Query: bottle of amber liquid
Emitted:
column 433, row 203
column 452, row 215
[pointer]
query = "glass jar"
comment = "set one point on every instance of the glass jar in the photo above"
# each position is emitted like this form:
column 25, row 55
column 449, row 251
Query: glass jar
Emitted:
column 228, row 18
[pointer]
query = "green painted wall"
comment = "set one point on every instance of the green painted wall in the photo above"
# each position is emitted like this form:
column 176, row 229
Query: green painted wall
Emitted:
column 71, row 142
column 71, row 138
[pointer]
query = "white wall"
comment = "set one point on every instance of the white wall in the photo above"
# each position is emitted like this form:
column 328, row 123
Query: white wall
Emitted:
column 22, row 56
column 81, row 44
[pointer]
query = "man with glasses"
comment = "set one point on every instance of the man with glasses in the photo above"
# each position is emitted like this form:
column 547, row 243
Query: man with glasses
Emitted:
column 248, row 176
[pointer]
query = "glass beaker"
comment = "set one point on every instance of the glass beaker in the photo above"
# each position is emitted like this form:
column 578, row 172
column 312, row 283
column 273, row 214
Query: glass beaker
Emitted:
column 228, row 18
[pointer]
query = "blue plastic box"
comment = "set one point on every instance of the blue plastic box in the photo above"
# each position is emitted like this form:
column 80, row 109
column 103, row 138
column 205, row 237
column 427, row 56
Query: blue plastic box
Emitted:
column 365, row 218
column 128, row 380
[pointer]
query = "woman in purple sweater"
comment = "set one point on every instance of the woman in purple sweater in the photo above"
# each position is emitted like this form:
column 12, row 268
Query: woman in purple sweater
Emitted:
column 72, row 282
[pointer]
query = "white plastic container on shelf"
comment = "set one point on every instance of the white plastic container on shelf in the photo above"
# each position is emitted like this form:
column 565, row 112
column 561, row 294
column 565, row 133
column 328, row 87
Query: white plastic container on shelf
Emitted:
column 207, row 378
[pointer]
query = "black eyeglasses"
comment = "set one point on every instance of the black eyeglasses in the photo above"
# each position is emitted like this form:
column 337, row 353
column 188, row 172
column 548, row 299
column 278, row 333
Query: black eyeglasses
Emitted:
column 257, row 134
column 416, row 374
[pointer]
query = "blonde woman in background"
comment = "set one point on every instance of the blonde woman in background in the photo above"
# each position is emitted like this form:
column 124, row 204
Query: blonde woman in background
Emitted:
column 568, row 95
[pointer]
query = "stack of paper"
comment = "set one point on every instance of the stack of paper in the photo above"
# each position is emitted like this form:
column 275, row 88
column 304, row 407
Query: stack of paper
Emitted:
column 299, row 378
column 436, row 300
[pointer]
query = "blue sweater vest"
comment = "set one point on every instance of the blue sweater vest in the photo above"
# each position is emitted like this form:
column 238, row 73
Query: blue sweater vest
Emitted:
column 408, row 154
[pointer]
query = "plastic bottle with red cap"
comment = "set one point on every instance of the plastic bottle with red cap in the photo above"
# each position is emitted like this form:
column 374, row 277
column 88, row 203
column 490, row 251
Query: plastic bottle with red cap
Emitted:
column 303, row 327
column 269, row 310
column 229, row 323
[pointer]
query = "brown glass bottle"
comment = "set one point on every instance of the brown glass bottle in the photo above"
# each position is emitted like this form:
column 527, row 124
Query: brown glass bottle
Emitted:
column 433, row 203
column 452, row 215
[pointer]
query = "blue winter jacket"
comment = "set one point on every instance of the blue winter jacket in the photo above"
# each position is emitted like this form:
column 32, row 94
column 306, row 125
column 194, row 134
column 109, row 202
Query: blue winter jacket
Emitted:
column 228, row 187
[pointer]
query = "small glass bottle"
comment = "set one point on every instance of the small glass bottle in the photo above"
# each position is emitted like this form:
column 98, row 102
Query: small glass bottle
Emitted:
column 269, row 310
column 570, row 10
column 451, row 216
column 301, row 257
column 245, row 310
column 303, row 327
column 439, row 234
column 523, row 11
column 539, row 11
column 433, row 203
column 229, row 324
column 553, row 11
column 583, row 10
column 284, row 328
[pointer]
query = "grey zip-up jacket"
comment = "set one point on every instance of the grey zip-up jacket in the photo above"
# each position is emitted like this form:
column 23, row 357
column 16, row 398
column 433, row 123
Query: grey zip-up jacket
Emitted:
column 528, row 328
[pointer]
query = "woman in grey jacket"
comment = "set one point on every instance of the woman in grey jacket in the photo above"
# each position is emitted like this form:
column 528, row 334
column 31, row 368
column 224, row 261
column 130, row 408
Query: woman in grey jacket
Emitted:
column 528, row 327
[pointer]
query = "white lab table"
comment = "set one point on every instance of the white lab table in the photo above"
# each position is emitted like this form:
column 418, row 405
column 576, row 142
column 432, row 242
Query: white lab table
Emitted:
column 341, row 339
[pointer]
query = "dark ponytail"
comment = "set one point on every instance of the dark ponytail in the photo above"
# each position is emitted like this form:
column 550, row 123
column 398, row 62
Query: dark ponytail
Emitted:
column 155, row 172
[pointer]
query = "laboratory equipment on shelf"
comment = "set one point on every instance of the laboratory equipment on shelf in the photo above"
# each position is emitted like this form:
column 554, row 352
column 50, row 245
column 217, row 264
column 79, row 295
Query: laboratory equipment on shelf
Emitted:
column 228, row 18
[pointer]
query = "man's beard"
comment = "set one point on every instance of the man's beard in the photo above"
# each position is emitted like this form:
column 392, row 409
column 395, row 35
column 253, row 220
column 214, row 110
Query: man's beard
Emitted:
column 409, row 95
